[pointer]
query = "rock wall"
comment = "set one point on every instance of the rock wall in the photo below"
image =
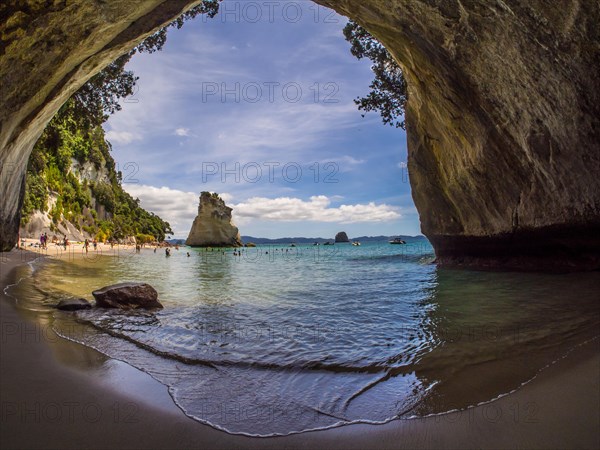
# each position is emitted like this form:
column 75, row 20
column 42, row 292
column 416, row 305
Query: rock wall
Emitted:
column 40, row 222
column 213, row 226
column 503, row 125
column 503, row 117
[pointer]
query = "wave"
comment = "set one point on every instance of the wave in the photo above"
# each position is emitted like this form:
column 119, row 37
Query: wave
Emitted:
column 370, row 369
column 374, row 368
column 418, row 258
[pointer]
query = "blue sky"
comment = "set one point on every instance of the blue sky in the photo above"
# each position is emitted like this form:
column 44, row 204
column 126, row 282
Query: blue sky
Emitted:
column 256, row 104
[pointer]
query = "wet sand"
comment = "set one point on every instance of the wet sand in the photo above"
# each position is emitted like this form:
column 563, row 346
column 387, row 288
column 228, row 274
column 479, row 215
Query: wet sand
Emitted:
column 59, row 394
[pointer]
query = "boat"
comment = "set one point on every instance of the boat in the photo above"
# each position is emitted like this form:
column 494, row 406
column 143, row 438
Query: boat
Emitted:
column 356, row 243
column 397, row 241
column 328, row 243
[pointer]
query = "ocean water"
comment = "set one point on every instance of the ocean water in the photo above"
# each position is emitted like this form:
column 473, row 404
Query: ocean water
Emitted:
column 286, row 339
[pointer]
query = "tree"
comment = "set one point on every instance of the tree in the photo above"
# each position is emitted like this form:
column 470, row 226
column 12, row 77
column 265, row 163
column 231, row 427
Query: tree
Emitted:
column 100, row 96
column 388, row 90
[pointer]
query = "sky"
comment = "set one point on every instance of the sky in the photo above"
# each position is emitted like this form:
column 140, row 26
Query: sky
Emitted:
column 256, row 104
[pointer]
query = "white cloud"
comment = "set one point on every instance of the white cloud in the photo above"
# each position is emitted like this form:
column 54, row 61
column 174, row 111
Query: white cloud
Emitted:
column 226, row 197
column 289, row 209
column 122, row 137
column 266, row 131
column 246, row 131
column 179, row 208
column 351, row 160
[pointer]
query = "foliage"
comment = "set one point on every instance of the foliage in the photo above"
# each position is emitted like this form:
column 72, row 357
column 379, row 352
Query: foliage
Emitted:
column 155, row 42
column 100, row 96
column 36, row 198
column 144, row 238
column 102, row 236
column 388, row 90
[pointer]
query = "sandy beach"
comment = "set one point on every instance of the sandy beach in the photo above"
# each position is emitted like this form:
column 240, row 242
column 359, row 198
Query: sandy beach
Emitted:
column 75, row 247
column 59, row 394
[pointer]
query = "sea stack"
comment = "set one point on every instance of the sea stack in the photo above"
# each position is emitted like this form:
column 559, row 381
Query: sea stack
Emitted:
column 213, row 226
column 341, row 237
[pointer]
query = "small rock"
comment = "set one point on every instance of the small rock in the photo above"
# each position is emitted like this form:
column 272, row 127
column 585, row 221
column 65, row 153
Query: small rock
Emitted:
column 73, row 304
column 341, row 237
column 127, row 296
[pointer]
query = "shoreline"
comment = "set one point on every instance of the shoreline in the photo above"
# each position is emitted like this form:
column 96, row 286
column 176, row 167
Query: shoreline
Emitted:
column 58, row 393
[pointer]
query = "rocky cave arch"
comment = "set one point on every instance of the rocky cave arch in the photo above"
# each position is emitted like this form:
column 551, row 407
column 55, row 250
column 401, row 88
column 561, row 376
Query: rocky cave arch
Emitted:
column 503, row 117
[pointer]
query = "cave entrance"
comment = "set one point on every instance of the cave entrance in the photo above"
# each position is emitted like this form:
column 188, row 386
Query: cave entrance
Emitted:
column 265, row 138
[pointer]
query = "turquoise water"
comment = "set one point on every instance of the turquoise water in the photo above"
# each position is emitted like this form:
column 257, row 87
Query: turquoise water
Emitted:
column 287, row 339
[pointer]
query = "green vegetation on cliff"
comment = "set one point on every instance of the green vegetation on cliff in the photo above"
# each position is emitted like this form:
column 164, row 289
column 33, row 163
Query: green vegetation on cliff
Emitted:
column 55, row 169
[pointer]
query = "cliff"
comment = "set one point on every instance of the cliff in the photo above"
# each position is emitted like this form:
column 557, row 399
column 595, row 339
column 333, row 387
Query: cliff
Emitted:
column 503, row 117
column 213, row 226
column 503, row 125
column 73, row 188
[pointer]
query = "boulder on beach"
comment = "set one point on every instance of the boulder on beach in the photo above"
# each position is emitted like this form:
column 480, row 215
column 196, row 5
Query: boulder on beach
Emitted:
column 73, row 304
column 341, row 237
column 127, row 296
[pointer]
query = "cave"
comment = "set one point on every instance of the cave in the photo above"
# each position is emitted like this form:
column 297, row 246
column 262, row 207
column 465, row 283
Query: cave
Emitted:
column 503, row 118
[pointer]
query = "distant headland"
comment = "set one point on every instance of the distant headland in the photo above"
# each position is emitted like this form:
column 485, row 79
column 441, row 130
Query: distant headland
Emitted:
column 311, row 240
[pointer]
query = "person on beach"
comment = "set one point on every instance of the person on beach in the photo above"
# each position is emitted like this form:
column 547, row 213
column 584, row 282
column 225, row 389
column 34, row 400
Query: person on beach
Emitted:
column 95, row 244
column 167, row 252
column 86, row 245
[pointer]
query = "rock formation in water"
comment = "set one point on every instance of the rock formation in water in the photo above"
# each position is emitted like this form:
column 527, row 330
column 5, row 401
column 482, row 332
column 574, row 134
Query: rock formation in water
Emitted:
column 213, row 226
column 503, row 116
column 341, row 237
column 127, row 296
